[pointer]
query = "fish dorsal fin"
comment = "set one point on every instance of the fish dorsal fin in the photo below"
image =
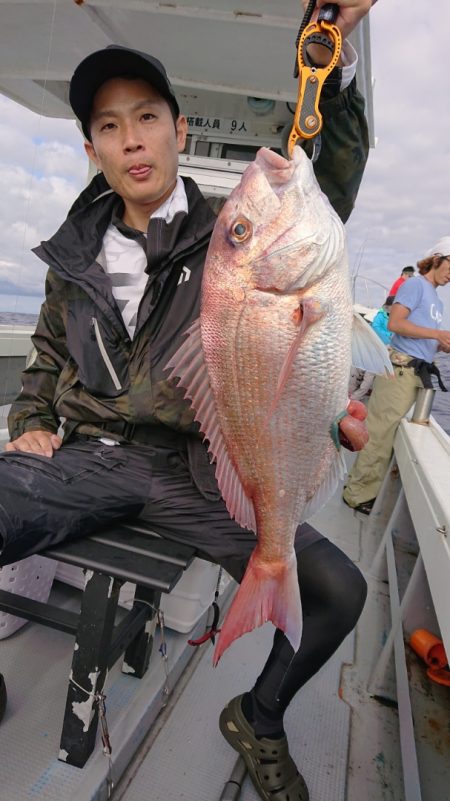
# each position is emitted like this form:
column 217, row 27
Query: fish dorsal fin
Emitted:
column 368, row 351
column 188, row 369
column 328, row 487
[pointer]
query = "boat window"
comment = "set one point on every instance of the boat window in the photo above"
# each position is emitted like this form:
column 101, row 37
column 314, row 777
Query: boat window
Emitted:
column 202, row 148
column 239, row 152
column 243, row 152
column 188, row 145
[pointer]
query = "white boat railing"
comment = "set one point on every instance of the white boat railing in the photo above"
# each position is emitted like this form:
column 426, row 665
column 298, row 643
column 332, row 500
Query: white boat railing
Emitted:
column 415, row 489
column 367, row 291
column 15, row 340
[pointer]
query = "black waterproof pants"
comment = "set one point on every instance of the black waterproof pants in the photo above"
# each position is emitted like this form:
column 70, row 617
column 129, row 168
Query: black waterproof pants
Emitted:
column 87, row 484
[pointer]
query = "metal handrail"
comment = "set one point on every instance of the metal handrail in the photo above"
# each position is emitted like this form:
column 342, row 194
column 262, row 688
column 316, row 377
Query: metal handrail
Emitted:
column 369, row 294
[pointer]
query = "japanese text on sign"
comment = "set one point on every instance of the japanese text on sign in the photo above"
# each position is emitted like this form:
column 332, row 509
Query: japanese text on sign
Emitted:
column 226, row 127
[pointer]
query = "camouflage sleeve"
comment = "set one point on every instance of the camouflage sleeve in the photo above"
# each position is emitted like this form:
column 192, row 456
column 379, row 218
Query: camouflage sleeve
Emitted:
column 345, row 146
column 33, row 408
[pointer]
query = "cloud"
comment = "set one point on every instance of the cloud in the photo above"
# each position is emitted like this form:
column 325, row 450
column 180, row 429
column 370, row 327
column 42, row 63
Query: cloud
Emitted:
column 403, row 204
column 42, row 169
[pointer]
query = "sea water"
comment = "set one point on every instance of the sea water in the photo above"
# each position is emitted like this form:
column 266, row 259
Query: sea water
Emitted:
column 441, row 405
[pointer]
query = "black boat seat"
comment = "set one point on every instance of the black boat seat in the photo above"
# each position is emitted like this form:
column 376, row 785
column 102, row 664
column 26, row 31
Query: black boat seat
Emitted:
column 128, row 551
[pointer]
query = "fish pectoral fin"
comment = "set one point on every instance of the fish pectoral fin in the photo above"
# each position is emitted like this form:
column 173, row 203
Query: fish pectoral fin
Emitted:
column 328, row 487
column 306, row 314
column 368, row 351
column 189, row 370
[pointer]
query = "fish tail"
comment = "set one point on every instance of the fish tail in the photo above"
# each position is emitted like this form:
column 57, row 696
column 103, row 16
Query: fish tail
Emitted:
column 267, row 592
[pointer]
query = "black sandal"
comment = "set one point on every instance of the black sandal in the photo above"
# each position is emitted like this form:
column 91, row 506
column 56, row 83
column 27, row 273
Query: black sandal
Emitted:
column 270, row 766
column 364, row 508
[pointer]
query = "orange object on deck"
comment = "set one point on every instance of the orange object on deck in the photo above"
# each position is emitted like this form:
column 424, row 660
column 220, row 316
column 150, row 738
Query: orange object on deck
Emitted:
column 440, row 676
column 430, row 648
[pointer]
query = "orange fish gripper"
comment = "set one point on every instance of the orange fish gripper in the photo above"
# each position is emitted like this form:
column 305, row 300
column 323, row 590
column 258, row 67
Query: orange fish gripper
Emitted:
column 308, row 119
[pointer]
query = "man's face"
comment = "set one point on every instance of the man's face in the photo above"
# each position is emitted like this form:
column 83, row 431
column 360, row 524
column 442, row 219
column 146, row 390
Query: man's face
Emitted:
column 135, row 143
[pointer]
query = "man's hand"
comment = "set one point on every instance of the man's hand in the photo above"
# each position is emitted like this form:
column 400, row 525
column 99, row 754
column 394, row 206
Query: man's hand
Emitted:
column 41, row 442
column 350, row 13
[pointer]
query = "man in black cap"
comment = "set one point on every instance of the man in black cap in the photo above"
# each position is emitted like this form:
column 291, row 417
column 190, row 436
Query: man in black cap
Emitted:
column 123, row 285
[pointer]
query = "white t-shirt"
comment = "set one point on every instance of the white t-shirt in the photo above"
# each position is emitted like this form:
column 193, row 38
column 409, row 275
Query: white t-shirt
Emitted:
column 125, row 260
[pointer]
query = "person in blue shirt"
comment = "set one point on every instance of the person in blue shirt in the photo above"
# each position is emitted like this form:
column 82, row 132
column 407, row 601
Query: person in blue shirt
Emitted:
column 415, row 321
column 381, row 320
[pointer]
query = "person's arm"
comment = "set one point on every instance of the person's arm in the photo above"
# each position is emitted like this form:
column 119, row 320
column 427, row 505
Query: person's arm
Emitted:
column 350, row 14
column 399, row 324
column 32, row 423
column 344, row 136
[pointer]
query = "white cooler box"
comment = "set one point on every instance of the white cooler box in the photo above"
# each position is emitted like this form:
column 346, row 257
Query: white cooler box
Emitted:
column 182, row 608
column 32, row 578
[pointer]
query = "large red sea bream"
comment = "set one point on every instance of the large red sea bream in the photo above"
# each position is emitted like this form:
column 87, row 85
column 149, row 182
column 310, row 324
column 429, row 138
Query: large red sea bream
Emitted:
column 267, row 367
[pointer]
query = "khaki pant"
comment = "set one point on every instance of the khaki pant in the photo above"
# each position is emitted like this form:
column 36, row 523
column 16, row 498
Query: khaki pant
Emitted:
column 390, row 400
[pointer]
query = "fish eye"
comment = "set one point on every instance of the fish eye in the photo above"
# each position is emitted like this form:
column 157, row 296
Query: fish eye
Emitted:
column 241, row 229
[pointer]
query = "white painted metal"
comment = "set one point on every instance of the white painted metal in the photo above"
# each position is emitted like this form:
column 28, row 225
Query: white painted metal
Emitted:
column 377, row 564
column 411, row 777
column 423, row 457
column 422, row 453
column 15, row 340
column 228, row 50
column 215, row 177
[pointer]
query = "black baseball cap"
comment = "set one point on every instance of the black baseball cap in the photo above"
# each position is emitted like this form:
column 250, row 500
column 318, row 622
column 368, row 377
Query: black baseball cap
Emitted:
column 112, row 62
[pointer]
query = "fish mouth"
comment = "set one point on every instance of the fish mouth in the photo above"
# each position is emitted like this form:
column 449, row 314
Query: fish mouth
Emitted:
column 272, row 159
column 276, row 168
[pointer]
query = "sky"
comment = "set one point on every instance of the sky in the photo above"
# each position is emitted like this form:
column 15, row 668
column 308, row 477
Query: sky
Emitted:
column 403, row 207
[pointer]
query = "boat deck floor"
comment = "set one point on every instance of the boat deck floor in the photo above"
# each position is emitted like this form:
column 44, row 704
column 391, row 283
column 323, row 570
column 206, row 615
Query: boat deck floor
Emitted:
column 345, row 742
